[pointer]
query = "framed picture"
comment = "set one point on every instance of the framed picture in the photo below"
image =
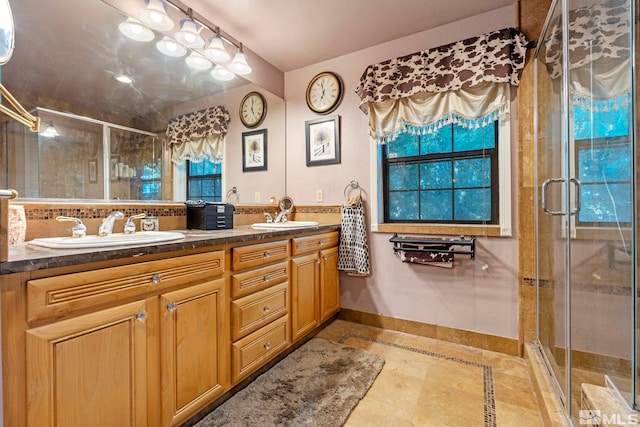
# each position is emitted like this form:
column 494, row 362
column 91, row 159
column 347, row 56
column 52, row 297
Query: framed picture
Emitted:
column 254, row 151
column 113, row 166
column 323, row 141
column 93, row 171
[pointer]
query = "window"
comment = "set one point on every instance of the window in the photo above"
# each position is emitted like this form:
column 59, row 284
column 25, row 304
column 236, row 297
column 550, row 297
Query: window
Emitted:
column 204, row 181
column 151, row 181
column 449, row 176
column 603, row 163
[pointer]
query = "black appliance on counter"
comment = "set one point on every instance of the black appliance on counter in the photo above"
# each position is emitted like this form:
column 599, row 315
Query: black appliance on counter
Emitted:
column 209, row 215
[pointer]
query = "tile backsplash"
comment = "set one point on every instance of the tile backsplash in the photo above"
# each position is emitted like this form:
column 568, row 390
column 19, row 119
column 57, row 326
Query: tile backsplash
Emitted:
column 41, row 215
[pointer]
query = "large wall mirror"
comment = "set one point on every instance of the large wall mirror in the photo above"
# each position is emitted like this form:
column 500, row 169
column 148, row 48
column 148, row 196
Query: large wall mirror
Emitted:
column 109, row 140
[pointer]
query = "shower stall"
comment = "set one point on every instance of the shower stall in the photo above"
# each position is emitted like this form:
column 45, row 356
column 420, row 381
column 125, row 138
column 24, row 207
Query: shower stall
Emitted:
column 586, row 204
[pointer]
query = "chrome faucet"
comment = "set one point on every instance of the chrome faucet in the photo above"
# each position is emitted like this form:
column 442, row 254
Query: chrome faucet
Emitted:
column 130, row 226
column 106, row 227
column 78, row 230
column 281, row 217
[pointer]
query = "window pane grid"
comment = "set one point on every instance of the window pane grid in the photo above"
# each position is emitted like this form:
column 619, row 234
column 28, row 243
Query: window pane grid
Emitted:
column 204, row 181
column 442, row 186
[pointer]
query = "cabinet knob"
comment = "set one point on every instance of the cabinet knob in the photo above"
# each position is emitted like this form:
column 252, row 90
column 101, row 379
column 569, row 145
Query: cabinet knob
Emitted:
column 156, row 278
column 267, row 346
column 267, row 254
column 266, row 309
column 265, row 278
column 141, row 316
column 171, row 307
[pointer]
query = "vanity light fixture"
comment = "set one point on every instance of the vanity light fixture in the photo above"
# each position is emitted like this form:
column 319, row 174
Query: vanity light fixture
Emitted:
column 221, row 73
column 197, row 61
column 155, row 15
column 239, row 63
column 189, row 34
column 50, row 131
column 216, row 51
column 136, row 30
column 171, row 48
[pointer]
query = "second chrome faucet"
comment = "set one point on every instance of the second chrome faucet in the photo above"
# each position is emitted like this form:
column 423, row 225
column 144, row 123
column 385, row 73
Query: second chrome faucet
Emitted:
column 106, row 227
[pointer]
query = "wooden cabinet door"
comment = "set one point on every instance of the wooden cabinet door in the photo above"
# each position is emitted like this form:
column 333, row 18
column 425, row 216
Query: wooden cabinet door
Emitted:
column 305, row 293
column 329, row 283
column 89, row 370
column 194, row 348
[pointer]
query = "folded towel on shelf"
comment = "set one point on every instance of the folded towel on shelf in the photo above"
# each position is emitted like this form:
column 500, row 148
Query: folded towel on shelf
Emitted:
column 438, row 259
column 353, row 250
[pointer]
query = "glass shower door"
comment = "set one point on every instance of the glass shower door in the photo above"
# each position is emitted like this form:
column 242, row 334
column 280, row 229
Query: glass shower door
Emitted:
column 551, row 222
column 585, row 206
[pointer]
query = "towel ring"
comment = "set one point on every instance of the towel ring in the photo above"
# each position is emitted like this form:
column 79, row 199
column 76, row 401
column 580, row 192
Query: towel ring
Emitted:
column 353, row 184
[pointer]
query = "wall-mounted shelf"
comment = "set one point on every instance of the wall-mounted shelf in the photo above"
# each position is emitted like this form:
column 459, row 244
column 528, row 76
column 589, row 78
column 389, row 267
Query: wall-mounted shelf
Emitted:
column 434, row 244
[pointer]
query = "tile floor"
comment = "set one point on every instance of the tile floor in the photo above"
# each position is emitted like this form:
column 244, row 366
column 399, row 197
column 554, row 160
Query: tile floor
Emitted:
column 426, row 382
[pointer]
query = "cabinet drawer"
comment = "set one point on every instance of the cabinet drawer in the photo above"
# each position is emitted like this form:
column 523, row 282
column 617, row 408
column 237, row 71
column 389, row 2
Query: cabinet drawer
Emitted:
column 254, row 311
column 261, row 254
column 316, row 242
column 255, row 280
column 255, row 349
column 59, row 296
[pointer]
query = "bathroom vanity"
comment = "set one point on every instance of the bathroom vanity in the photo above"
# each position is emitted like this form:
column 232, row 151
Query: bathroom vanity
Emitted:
column 151, row 335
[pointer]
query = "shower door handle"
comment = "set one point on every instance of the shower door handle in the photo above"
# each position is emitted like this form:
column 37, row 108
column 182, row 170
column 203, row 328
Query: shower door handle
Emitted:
column 545, row 186
column 578, row 204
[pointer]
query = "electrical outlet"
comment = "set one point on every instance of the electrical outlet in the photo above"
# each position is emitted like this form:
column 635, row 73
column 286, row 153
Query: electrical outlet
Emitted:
column 256, row 197
column 319, row 195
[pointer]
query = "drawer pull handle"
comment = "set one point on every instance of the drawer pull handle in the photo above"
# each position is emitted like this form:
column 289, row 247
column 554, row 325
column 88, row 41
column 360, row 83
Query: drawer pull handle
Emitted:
column 266, row 278
column 267, row 346
column 156, row 278
column 141, row 316
column 321, row 242
column 266, row 309
column 172, row 307
column 267, row 254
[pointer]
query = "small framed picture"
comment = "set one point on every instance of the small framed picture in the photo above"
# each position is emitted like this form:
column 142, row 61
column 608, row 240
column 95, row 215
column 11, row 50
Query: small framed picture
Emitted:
column 93, row 171
column 254, row 151
column 323, row 141
column 113, row 163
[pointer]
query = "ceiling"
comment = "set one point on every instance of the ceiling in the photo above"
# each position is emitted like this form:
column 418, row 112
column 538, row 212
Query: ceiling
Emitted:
column 71, row 53
column 292, row 34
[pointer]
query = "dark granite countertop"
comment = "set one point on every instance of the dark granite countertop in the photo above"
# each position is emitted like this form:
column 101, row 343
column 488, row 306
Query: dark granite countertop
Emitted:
column 24, row 257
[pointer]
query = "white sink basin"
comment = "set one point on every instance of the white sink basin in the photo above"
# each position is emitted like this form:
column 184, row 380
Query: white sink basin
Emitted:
column 284, row 225
column 116, row 239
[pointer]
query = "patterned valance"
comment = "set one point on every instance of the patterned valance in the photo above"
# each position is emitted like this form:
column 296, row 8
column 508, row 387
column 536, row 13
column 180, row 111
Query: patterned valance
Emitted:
column 599, row 55
column 198, row 136
column 599, row 31
column 498, row 56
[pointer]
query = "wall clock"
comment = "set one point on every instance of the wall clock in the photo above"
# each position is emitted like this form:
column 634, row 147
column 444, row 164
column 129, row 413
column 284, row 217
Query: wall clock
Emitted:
column 253, row 109
column 324, row 92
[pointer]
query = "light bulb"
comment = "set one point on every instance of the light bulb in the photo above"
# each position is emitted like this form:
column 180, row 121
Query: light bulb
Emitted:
column 197, row 61
column 155, row 16
column 216, row 51
column 171, row 48
column 239, row 64
column 222, row 74
column 189, row 34
column 135, row 30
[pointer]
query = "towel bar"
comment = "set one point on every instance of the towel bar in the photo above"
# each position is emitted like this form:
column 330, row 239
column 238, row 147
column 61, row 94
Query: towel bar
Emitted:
column 434, row 244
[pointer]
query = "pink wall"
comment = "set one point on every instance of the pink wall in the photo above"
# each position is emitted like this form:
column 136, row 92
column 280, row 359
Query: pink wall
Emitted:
column 464, row 297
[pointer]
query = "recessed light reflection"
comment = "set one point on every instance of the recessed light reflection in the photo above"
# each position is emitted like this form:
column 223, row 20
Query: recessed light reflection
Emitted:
column 123, row 78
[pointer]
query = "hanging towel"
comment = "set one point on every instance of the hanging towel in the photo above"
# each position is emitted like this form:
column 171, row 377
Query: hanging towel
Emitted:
column 353, row 251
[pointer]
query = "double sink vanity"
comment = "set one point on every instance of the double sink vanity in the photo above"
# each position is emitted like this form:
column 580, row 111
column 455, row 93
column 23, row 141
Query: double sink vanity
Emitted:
column 151, row 333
